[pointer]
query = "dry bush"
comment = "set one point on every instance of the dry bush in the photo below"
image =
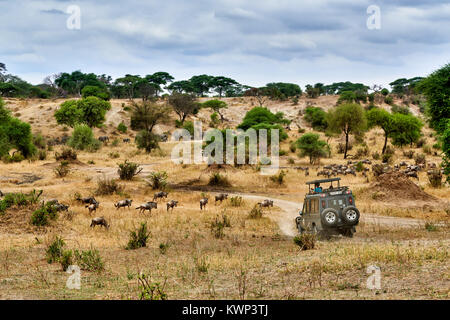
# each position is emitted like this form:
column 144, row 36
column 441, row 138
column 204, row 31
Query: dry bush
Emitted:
column 305, row 241
column 66, row 154
column 216, row 179
column 435, row 178
column 62, row 170
column 256, row 212
column 108, row 186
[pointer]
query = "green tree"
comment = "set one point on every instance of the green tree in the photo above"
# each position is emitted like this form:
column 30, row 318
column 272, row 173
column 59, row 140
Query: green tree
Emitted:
column 183, row 105
column 310, row 145
column 90, row 111
column 69, row 113
column 381, row 118
column 147, row 140
column 260, row 115
column 436, row 88
column 222, row 84
column 129, row 83
column 445, row 138
column 145, row 115
column 316, row 117
column 348, row 118
column 216, row 106
column 201, row 84
column 94, row 91
column 159, row 79
column 407, row 129
column 83, row 139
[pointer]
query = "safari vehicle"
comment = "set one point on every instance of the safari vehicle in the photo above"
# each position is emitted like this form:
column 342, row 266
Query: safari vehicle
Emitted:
column 328, row 211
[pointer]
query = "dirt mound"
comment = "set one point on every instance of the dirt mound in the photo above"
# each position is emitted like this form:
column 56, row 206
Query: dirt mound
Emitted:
column 396, row 185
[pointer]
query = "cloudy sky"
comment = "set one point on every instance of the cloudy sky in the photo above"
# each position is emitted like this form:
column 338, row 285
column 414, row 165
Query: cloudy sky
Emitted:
column 252, row 41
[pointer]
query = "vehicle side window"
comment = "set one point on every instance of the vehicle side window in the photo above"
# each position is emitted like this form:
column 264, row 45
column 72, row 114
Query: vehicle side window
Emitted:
column 316, row 206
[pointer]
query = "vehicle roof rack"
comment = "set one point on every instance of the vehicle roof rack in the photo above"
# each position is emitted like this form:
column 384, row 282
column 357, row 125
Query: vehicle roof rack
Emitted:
column 323, row 181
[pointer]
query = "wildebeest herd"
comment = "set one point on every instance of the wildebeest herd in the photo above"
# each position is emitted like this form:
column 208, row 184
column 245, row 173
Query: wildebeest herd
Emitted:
column 92, row 205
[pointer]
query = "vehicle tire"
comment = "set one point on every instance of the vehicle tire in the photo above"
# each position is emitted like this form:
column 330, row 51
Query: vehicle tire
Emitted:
column 329, row 217
column 350, row 215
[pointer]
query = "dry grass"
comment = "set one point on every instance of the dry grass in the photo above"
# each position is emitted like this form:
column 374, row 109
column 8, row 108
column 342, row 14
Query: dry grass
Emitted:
column 252, row 260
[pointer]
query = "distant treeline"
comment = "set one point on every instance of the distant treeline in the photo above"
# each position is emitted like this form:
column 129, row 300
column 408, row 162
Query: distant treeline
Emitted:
column 77, row 84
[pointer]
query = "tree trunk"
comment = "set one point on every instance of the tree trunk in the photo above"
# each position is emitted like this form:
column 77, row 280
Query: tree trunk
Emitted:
column 346, row 145
column 385, row 143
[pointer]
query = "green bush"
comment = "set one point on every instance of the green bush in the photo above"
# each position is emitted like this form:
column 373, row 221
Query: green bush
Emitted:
column 158, row 180
column 138, row 238
column 43, row 215
column 127, row 170
column 83, row 139
column 89, row 260
column 316, row 117
column 147, row 140
column 122, row 127
column 151, row 290
column 216, row 179
column 106, row 186
column 55, row 250
column 66, row 259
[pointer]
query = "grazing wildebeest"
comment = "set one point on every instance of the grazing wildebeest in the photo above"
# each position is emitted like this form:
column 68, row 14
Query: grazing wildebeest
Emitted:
column 104, row 139
column 221, row 197
column 147, row 206
column 203, row 203
column 266, row 203
column 126, row 140
column 60, row 207
column 160, row 195
column 93, row 207
column 412, row 174
column 171, row 204
column 123, row 203
column 89, row 200
column 99, row 221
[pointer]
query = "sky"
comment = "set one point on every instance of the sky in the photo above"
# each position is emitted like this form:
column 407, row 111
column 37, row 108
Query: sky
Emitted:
column 251, row 41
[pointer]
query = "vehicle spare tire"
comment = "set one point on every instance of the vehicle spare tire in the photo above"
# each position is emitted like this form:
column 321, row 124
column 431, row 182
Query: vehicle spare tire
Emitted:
column 329, row 217
column 350, row 215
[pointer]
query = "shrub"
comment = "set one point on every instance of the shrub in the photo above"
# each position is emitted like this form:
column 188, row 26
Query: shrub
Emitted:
column 66, row 259
column 151, row 290
column 375, row 156
column 218, row 225
column 236, row 201
column 388, row 100
column 292, row 147
column 107, row 186
column 311, row 146
column 435, row 178
column 127, row 170
column 83, row 139
column 16, row 157
column 429, row 226
column 138, row 238
column 359, row 166
column 427, row 149
column 278, row 178
column 114, row 155
column 89, row 260
column 39, row 141
column 66, row 154
column 256, row 212
column 420, row 158
column 115, row 142
column 421, row 142
column 55, row 250
column 409, row 154
column 316, row 117
column 62, row 170
column 163, row 247
column 291, row 161
column 147, row 140
column 122, row 127
column 42, row 154
column 387, row 158
column 216, row 179
column 305, row 241
column 158, row 180
column 43, row 215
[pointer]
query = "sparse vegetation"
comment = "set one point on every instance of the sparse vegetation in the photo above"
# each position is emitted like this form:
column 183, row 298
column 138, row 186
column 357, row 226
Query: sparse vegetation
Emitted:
column 127, row 170
column 138, row 238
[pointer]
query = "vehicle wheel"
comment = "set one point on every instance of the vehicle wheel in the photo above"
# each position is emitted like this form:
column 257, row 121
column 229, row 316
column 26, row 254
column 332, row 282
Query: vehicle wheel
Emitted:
column 350, row 215
column 329, row 217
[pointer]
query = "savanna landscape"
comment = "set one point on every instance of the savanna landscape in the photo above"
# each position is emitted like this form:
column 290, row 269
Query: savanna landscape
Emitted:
column 231, row 248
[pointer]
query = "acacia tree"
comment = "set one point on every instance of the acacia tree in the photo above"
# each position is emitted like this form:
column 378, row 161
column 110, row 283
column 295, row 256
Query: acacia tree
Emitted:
column 129, row 82
column 146, row 115
column 310, row 145
column 216, row 106
column 381, row 118
column 221, row 84
column 348, row 118
column 183, row 105
column 90, row 111
column 436, row 88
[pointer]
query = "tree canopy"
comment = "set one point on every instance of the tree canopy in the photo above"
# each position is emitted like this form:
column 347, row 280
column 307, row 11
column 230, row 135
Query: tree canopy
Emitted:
column 90, row 111
column 311, row 146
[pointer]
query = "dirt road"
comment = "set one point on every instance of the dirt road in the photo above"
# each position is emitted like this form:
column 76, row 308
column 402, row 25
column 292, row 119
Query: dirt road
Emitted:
column 290, row 209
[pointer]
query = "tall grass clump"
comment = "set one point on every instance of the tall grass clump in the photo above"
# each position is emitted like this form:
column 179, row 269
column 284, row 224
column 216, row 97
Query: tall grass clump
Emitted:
column 127, row 170
column 138, row 238
column 158, row 180
column 216, row 179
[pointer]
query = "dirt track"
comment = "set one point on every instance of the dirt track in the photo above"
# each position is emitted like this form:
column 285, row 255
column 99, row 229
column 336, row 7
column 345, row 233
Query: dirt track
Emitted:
column 285, row 219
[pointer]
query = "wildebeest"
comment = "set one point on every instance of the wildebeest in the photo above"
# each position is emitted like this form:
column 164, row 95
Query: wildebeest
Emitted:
column 104, row 139
column 126, row 140
column 160, row 195
column 412, row 174
column 203, row 203
column 147, row 206
column 93, row 207
column 266, row 203
column 123, row 203
column 60, row 207
column 89, row 200
column 171, row 204
column 100, row 221
column 221, row 197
